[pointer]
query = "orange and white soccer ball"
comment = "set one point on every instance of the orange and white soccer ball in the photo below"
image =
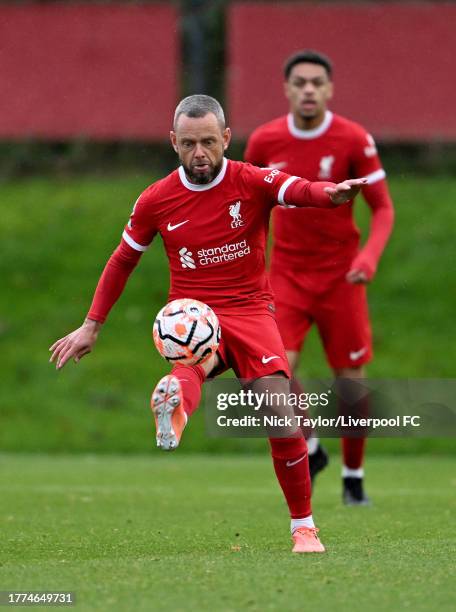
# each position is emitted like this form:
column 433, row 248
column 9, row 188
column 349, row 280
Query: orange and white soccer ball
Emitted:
column 186, row 331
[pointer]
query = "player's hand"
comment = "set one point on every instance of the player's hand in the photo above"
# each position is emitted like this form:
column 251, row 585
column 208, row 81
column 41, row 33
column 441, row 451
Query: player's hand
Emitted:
column 362, row 269
column 345, row 191
column 75, row 345
column 357, row 277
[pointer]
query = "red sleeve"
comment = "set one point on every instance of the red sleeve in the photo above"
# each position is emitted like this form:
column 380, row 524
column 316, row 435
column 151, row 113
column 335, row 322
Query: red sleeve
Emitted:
column 379, row 201
column 113, row 280
column 287, row 190
column 137, row 236
column 141, row 227
column 366, row 163
column 302, row 192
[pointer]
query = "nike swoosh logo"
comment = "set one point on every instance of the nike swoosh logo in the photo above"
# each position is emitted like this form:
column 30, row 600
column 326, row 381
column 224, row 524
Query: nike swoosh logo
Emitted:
column 170, row 227
column 354, row 355
column 291, row 463
column 265, row 359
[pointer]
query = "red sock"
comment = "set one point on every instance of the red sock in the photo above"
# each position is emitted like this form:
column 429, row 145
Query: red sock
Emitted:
column 191, row 379
column 353, row 452
column 297, row 389
column 291, row 465
column 353, row 447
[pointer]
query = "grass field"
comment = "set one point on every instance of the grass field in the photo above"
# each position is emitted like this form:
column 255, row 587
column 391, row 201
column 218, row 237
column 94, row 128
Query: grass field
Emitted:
column 56, row 236
column 180, row 532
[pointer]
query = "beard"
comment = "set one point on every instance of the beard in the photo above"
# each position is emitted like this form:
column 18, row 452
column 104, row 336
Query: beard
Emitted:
column 202, row 178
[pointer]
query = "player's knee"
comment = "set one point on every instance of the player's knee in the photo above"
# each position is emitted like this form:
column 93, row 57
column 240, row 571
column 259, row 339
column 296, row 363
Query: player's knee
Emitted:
column 354, row 373
column 292, row 357
column 211, row 364
column 278, row 415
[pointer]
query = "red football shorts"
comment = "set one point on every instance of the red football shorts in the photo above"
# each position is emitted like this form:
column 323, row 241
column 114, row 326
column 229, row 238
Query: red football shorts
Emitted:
column 339, row 310
column 251, row 345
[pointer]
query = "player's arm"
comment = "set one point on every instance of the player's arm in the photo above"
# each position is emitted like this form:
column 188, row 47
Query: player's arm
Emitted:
column 109, row 288
column 300, row 192
column 293, row 191
column 365, row 264
column 377, row 196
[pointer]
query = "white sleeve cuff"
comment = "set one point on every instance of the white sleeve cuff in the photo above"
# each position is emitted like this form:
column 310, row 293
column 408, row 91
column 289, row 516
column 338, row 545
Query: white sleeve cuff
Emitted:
column 284, row 187
column 376, row 176
column 134, row 245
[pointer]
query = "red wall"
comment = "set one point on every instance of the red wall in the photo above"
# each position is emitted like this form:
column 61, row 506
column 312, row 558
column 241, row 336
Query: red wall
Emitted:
column 104, row 72
column 395, row 63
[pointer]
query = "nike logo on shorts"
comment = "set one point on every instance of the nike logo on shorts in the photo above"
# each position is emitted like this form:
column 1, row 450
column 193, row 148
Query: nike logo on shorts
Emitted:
column 170, row 227
column 291, row 463
column 265, row 359
column 354, row 355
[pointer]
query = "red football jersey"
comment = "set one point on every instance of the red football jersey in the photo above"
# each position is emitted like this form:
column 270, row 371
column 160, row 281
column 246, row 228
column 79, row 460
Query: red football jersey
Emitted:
column 214, row 234
column 337, row 150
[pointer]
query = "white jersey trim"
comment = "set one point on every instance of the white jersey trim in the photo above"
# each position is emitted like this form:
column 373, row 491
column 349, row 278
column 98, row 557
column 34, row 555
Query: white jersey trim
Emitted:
column 193, row 187
column 309, row 134
column 134, row 245
column 283, row 188
column 376, row 176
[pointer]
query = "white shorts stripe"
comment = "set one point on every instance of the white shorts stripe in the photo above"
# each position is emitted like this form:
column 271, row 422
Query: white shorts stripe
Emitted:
column 282, row 190
column 134, row 245
column 376, row 176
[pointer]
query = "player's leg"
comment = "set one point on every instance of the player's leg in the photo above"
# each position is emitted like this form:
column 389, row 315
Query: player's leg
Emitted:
column 318, row 457
column 257, row 354
column 343, row 324
column 290, row 460
column 295, row 300
column 175, row 398
column 294, row 324
column 353, row 447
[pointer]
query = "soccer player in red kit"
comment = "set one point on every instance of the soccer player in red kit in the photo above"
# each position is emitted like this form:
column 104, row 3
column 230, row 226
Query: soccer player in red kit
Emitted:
column 318, row 271
column 190, row 209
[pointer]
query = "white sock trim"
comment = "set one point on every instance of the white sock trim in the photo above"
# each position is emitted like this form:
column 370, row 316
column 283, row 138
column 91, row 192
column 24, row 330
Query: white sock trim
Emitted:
column 349, row 473
column 312, row 445
column 302, row 522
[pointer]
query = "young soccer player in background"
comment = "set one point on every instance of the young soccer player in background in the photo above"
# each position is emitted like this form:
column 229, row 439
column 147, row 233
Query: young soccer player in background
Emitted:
column 319, row 272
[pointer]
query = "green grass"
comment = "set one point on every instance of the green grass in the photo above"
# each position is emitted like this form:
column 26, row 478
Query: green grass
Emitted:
column 181, row 532
column 58, row 233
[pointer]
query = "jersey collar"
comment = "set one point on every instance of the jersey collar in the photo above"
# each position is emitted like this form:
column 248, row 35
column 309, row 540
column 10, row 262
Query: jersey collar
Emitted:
column 309, row 134
column 193, row 187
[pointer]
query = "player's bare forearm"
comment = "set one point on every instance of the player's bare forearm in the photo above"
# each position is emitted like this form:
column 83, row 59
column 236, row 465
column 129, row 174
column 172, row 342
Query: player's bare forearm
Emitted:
column 76, row 344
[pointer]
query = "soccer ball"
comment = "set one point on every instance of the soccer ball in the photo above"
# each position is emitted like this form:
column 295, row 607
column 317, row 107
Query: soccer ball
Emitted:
column 186, row 331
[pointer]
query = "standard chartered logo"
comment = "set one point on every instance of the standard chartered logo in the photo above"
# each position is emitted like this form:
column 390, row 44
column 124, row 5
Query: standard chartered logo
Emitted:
column 215, row 255
column 186, row 258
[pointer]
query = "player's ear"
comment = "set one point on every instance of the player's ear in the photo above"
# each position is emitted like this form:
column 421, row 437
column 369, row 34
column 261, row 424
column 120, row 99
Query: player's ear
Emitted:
column 330, row 90
column 226, row 138
column 172, row 137
column 286, row 90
